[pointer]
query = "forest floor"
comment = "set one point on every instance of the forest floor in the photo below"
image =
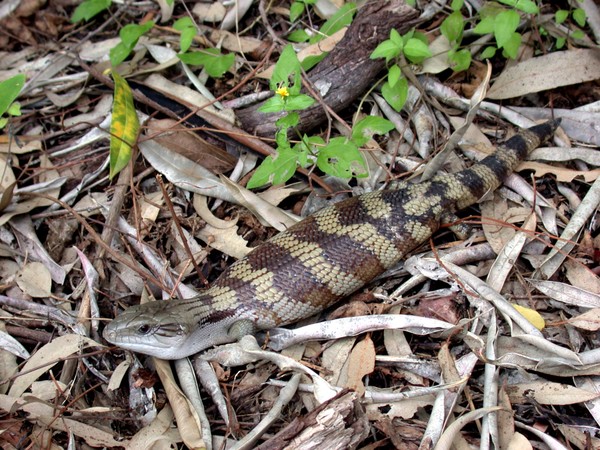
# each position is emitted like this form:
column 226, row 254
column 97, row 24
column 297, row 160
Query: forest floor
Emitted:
column 146, row 146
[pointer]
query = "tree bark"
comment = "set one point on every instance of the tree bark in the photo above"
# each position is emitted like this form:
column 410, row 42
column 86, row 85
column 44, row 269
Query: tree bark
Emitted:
column 347, row 71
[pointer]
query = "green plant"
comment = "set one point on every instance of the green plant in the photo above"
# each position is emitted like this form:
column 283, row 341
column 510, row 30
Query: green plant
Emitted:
column 339, row 157
column 89, row 9
column 9, row 91
column 342, row 18
column 414, row 46
column 215, row 63
column 580, row 19
column 297, row 8
column 129, row 34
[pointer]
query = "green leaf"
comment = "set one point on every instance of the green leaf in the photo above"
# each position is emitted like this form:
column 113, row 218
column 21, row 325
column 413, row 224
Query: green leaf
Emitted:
column 461, row 59
column 488, row 52
column 310, row 61
column 526, row 6
column 578, row 34
column 511, row 48
column 188, row 31
column 456, row 5
column 281, row 139
column 288, row 121
column 129, row 35
column 9, row 91
column 298, row 102
column 486, row 26
column 560, row 43
column 367, row 127
column 214, row 62
column 341, row 159
column 298, row 36
column 124, row 126
column 579, row 17
column 274, row 104
column 416, row 51
column 119, row 53
column 342, row 18
column 3, row 122
column 396, row 95
column 396, row 38
column 14, row 109
column 561, row 15
column 453, row 26
column 394, row 74
column 88, row 9
column 505, row 25
column 387, row 49
column 287, row 66
column 308, row 146
column 296, row 10
column 275, row 170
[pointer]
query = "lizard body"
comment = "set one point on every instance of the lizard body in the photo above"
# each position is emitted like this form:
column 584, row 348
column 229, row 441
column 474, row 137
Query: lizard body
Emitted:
column 316, row 262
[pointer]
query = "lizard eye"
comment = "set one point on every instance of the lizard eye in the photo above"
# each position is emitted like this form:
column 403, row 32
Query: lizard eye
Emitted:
column 144, row 329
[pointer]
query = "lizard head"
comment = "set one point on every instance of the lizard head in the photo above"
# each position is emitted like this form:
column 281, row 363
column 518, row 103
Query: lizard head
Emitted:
column 174, row 329
column 158, row 329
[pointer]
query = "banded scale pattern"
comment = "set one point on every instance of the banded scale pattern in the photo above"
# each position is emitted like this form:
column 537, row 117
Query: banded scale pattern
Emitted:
column 316, row 262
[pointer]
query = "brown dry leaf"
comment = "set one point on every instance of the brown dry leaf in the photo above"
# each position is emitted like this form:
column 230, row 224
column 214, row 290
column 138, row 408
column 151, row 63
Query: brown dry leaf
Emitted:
column 548, row 393
column 519, row 442
column 190, row 145
column 47, row 357
column 562, row 174
column 580, row 276
column 209, row 12
column 506, row 421
column 46, row 414
column 493, row 213
column 567, row 294
column 539, row 74
column 156, row 435
column 188, row 421
column 234, row 42
column 579, row 437
column 35, row 280
column 589, row 320
column 361, row 363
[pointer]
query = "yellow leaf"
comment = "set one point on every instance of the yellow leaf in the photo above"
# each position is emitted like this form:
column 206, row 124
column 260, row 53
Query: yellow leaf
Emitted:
column 532, row 316
column 124, row 126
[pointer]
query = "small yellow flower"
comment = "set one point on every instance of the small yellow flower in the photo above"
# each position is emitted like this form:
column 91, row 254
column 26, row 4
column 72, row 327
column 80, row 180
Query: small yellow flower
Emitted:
column 283, row 91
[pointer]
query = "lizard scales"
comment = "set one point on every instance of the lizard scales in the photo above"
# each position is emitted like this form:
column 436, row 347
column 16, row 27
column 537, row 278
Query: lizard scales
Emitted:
column 316, row 262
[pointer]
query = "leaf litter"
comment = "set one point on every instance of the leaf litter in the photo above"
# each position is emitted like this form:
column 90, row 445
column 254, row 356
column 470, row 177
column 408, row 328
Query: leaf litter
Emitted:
column 435, row 357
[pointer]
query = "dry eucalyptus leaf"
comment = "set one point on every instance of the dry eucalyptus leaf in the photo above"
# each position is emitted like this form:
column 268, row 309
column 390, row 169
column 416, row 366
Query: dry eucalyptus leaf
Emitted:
column 209, row 12
column 170, row 134
column 47, row 357
column 35, row 280
column 580, row 276
column 548, row 393
column 539, row 74
column 562, row 174
column 361, row 363
column 589, row 320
